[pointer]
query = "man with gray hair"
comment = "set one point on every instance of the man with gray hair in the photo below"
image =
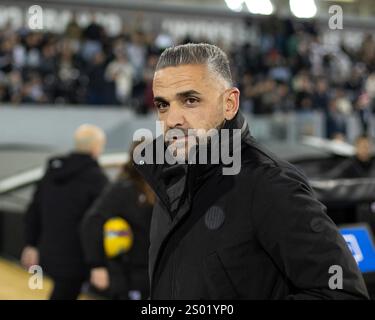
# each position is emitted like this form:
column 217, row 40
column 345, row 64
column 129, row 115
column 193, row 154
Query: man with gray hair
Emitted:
column 256, row 234
column 52, row 222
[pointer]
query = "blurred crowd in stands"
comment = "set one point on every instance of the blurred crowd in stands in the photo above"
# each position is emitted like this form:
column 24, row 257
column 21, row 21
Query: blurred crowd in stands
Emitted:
column 289, row 69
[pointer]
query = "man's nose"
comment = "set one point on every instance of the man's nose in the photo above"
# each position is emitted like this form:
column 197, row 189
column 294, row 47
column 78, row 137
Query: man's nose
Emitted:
column 175, row 117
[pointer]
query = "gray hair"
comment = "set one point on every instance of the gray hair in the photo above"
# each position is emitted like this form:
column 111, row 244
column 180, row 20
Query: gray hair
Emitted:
column 197, row 53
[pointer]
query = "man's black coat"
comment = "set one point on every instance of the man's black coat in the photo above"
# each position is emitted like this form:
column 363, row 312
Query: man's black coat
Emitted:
column 52, row 222
column 260, row 234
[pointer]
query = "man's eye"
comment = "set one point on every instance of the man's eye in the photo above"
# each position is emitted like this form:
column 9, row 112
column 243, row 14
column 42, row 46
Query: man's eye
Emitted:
column 191, row 100
column 161, row 105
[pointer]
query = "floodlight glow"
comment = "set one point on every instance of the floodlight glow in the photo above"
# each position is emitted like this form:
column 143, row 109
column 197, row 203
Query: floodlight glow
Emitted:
column 234, row 5
column 303, row 9
column 259, row 6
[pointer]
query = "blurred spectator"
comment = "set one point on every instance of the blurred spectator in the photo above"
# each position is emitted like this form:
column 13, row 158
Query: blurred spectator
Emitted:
column 247, row 93
column 362, row 105
column 119, row 263
column 283, row 99
column 93, row 35
column 70, row 185
column 336, row 121
column 48, row 56
column 344, row 104
column 97, row 91
column 6, row 56
column 121, row 72
column 67, row 85
column 362, row 165
column 32, row 50
column 355, row 81
column 73, row 33
column 320, row 95
column 136, row 51
column 33, row 90
column 370, row 87
column 367, row 51
column 279, row 69
column 15, row 86
column 145, row 98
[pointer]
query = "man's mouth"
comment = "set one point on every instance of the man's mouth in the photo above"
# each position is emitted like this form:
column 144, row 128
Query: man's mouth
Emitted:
column 175, row 139
column 183, row 141
column 180, row 141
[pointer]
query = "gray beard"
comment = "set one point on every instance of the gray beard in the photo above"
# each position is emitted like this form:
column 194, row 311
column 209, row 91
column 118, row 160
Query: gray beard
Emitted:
column 218, row 128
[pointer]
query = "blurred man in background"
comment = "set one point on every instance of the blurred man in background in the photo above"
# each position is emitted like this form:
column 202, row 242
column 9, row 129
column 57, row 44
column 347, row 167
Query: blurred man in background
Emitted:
column 119, row 259
column 359, row 166
column 70, row 185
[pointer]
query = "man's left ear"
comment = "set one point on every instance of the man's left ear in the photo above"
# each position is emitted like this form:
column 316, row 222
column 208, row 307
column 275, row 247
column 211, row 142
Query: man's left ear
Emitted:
column 231, row 103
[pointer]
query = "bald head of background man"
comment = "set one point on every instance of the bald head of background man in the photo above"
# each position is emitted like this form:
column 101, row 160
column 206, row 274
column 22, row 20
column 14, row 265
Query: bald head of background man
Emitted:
column 89, row 139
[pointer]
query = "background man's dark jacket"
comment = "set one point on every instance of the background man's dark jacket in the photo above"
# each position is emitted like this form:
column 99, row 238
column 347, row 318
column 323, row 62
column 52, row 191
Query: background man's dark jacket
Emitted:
column 260, row 234
column 353, row 168
column 52, row 222
column 129, row 270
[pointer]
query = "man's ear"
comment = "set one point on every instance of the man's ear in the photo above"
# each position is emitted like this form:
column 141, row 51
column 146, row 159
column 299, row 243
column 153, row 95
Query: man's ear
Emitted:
column 231, row 103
